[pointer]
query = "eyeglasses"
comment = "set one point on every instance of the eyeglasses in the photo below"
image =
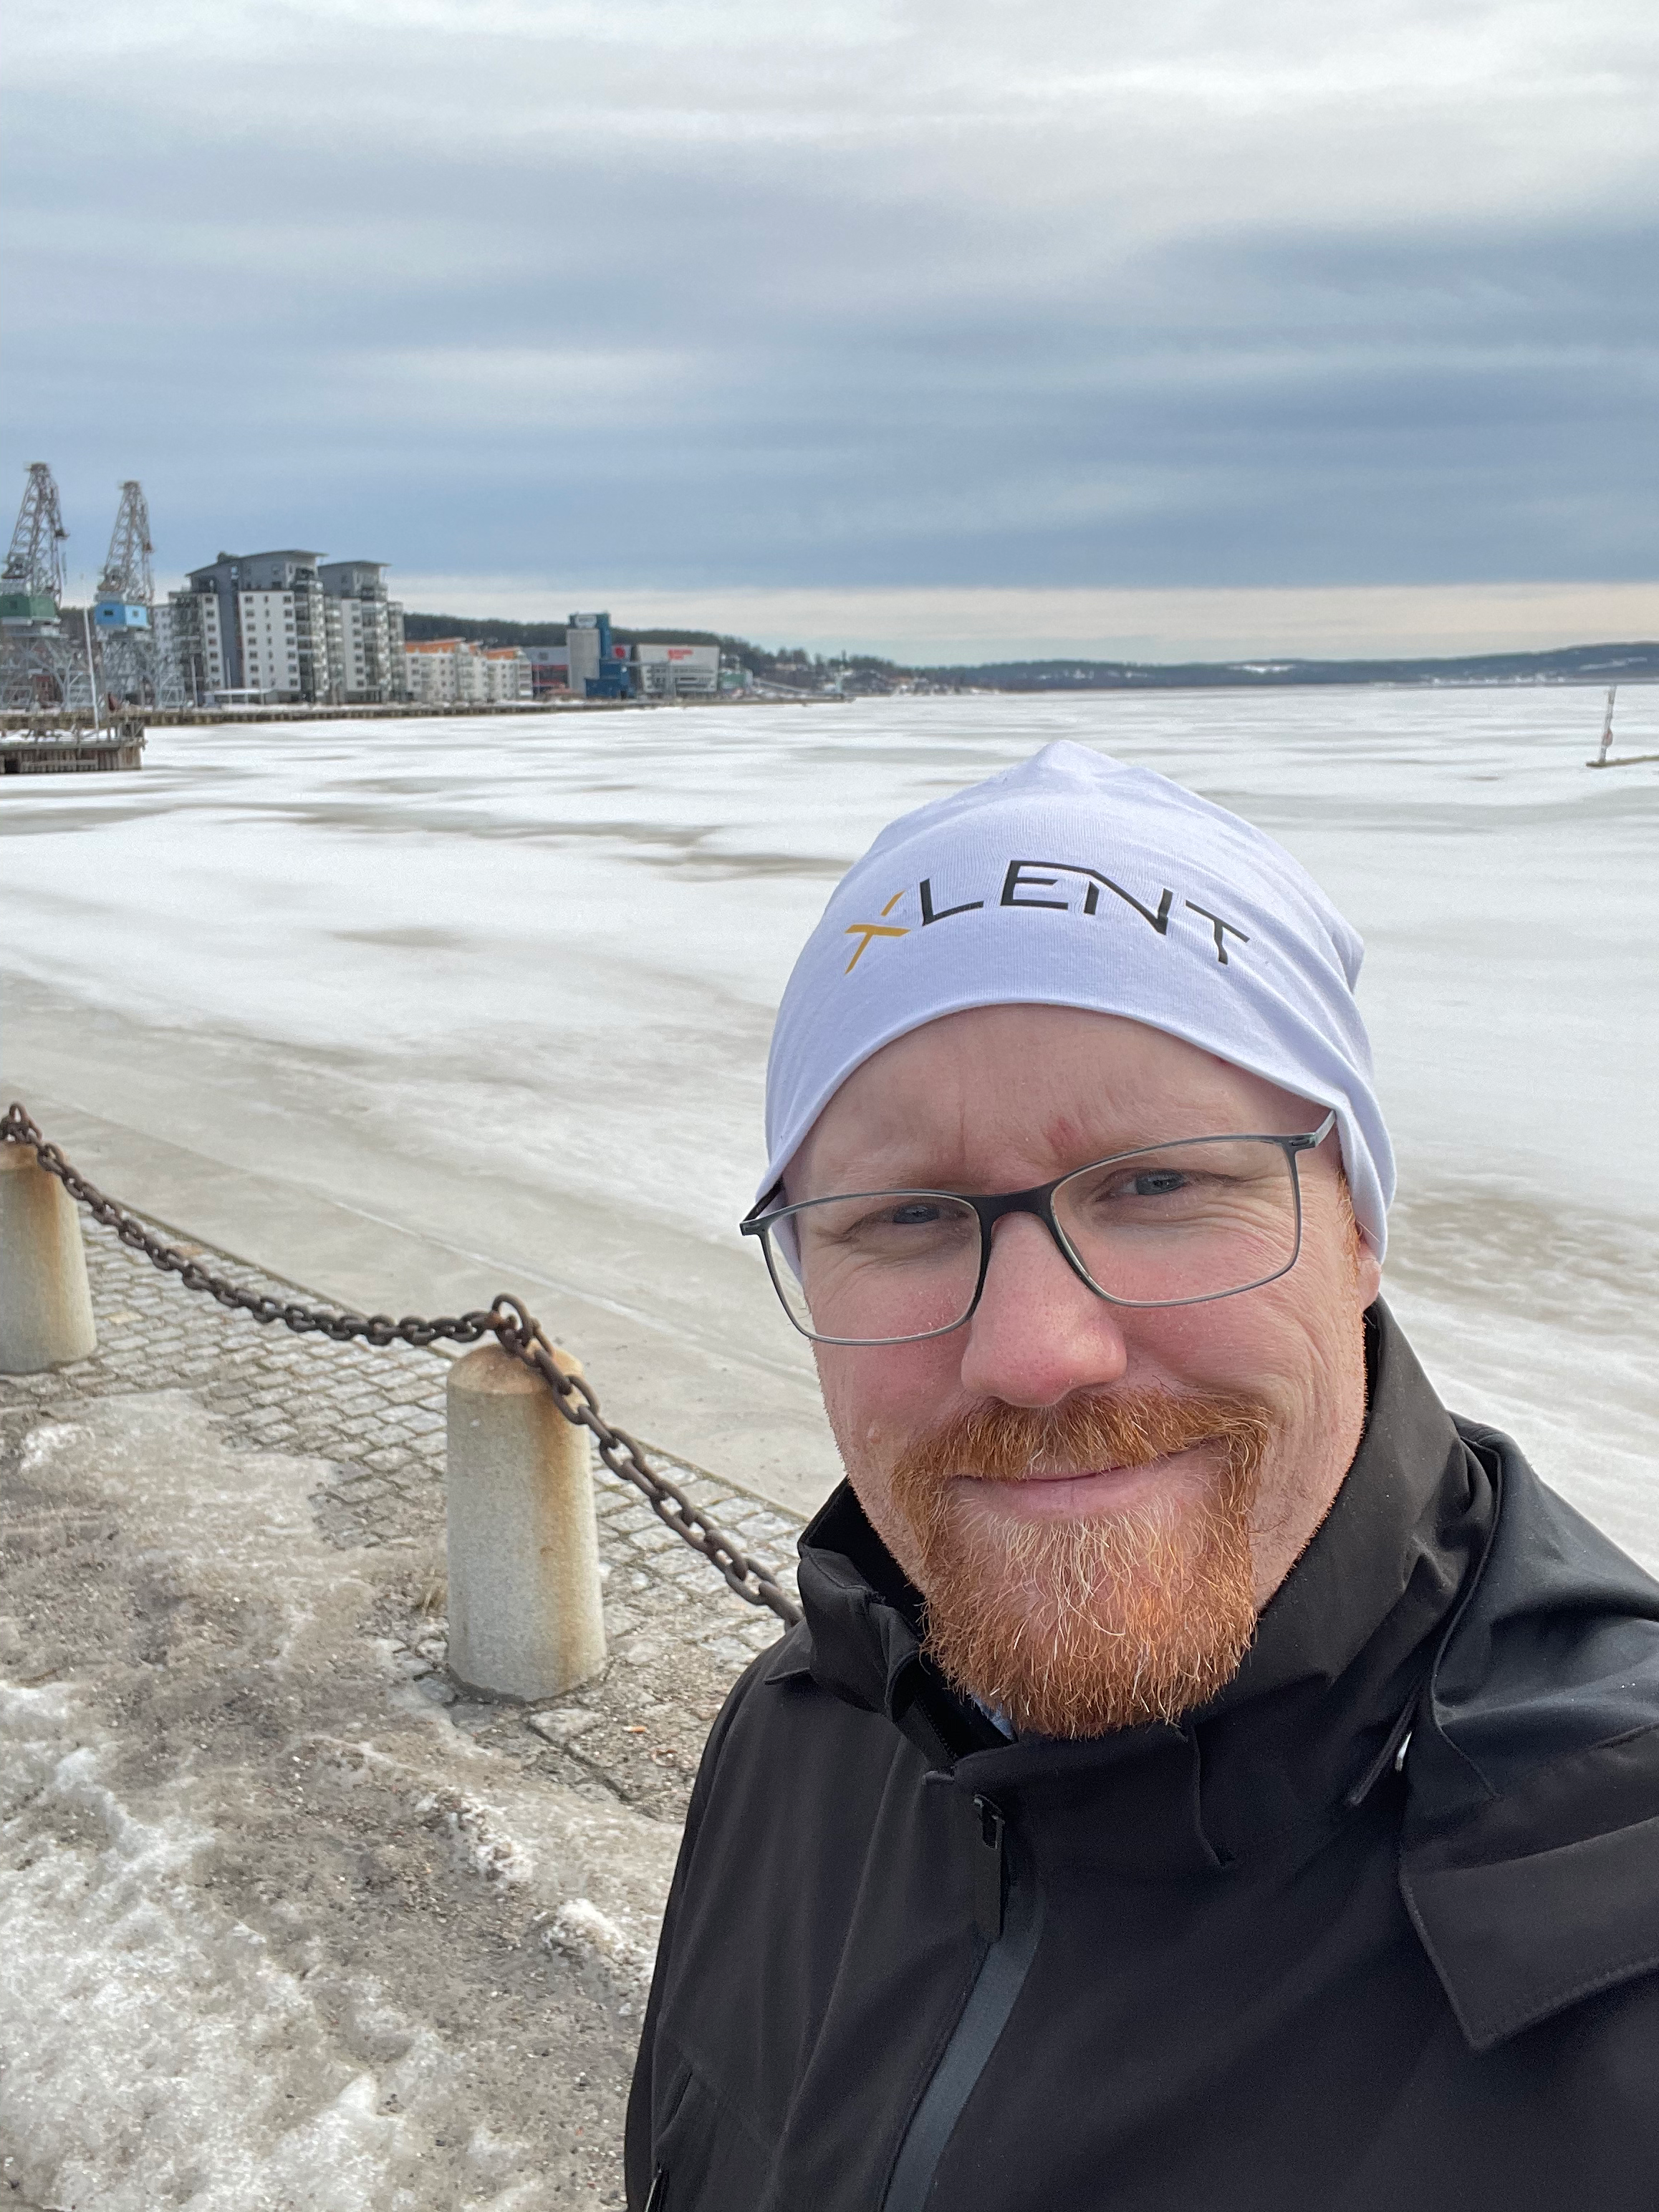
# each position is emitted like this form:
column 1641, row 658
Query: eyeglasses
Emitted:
column 1173, row 1225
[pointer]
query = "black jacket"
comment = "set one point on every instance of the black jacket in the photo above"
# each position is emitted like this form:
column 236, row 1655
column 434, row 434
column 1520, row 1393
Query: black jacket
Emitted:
column 1284, row 1958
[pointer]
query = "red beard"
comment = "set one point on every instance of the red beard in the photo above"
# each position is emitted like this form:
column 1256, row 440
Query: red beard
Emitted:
column 1074, row 1627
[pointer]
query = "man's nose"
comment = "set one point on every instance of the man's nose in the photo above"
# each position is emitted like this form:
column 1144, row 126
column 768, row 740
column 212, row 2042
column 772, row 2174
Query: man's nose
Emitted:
column 1039, row 1332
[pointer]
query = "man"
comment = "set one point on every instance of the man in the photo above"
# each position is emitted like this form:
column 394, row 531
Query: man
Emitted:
column 1208, row 1778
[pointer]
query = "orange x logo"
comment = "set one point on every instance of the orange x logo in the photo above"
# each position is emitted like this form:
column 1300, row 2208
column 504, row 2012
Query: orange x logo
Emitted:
column 864, row 931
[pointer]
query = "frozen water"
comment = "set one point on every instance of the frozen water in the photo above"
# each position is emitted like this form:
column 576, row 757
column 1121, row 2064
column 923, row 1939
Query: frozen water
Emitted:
column 566, row 938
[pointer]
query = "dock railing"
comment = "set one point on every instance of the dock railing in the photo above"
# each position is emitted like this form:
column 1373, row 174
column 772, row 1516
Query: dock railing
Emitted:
column 525, row 1618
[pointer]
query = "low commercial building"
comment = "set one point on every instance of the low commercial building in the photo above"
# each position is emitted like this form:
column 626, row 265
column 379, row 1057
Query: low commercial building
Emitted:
column 677, row 671
column 550, row 670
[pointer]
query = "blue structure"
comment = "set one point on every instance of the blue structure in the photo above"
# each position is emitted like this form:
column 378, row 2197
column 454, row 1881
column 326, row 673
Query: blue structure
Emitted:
column 120, row 614
column 598, row 667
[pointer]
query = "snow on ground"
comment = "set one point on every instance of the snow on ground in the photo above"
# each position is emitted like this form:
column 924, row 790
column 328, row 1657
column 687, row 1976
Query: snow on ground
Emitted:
column 273, row 1933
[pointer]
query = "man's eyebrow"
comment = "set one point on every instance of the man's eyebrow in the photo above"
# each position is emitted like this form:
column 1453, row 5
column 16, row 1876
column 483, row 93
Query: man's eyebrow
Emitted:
column 939, row 1172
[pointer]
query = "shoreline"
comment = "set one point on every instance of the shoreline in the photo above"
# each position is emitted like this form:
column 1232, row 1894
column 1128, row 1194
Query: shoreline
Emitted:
column 395, row 710
column 1138, row 681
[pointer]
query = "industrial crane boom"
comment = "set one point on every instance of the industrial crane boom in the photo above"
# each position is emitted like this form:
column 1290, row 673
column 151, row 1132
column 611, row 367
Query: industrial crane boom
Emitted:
column 34, row 566
column 126, row 566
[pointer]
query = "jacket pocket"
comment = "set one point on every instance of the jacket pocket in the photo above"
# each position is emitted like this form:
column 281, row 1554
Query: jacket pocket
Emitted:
column 706, row 2156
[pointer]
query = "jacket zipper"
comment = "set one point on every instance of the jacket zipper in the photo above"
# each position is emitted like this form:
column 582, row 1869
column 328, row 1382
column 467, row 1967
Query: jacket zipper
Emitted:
column 1008, row 1916
column 990, row 1869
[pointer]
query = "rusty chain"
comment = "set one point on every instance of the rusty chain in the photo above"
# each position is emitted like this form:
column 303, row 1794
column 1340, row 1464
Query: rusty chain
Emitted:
column 513, row 1328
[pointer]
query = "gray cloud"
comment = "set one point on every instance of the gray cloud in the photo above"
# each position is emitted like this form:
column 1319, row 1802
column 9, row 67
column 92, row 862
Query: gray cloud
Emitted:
column 849, row 295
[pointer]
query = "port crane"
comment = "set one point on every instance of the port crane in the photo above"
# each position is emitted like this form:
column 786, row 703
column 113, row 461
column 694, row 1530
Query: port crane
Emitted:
column 126, row 590
column 32, row 582
column 39, row 667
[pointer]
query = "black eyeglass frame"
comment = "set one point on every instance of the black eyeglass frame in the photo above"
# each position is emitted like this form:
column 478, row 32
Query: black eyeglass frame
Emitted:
column 1038, row 1201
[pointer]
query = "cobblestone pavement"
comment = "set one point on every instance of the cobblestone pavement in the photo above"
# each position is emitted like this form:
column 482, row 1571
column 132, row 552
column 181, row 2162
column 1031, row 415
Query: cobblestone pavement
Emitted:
column 677, row 1636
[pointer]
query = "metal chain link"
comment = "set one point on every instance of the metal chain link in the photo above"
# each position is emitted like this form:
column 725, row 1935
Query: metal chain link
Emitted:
column 513, row 1328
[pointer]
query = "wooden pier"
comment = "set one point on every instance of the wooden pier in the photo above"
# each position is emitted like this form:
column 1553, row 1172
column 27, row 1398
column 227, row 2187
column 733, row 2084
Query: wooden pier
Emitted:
column 68, row 751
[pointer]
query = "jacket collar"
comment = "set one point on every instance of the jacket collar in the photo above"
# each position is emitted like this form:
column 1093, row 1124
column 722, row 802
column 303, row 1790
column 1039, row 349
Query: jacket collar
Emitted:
column 1329, row 1671
column 864, row 1622
column 1447, row 1591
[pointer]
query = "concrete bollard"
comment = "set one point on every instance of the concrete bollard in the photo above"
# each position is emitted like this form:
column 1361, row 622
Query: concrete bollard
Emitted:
column 45, row 1305
column 524, row 1614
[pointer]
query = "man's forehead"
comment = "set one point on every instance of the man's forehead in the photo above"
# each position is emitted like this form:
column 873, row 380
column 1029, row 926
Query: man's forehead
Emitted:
column 1045, row 1085
column 1022, row 1056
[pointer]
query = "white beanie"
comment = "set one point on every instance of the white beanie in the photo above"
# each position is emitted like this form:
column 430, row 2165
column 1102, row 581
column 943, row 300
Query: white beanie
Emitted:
column 1075, row 880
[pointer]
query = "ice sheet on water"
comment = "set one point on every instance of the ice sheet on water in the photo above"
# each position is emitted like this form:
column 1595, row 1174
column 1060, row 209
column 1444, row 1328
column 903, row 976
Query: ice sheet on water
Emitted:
column 566, row 941
column 473, row 905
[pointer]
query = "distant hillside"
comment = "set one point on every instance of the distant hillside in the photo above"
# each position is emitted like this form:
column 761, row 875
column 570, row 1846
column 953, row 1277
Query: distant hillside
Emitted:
column 1611, row 664
column 791, row 665
column 420, row 629
column 795, row 667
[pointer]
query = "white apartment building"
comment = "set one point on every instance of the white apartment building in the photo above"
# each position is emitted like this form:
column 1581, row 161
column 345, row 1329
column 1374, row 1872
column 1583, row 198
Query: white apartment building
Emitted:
column 188, row 640
column 440, row 673
column 455, row 671
column 279, row 627
column 507, row 673
column 365, row 632
column 269, row 627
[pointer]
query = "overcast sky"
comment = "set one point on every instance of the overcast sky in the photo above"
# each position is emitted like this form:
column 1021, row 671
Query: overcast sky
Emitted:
column 708, row 299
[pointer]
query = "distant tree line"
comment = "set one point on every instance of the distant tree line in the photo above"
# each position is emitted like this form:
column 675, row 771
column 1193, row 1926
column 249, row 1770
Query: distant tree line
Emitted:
column 777, row 663
column 795, row 667
column 1608, row 664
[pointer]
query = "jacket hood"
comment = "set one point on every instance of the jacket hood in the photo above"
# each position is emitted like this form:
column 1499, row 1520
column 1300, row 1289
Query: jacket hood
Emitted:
column 1530, row 1849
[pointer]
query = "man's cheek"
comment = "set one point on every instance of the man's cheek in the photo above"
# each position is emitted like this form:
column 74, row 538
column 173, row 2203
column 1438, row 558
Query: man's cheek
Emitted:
column 1229, row 1345
column 879, row 1397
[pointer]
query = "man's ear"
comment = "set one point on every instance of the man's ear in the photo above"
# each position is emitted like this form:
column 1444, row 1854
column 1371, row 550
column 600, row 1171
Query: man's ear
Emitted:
column 1367, row 1267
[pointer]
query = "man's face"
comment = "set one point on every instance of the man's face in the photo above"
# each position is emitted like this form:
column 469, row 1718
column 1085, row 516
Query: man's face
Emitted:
column 1094, row 1500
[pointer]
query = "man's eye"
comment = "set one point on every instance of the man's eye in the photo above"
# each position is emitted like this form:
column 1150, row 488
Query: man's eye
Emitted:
column 919, row 1214
column 1156, row 1182
column 1131, row 1186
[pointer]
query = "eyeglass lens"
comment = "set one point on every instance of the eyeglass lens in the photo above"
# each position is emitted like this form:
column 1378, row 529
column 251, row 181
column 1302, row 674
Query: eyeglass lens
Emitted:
column 1189, row 1221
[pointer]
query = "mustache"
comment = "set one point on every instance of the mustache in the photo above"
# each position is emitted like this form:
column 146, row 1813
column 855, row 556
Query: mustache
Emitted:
column 1001, row 1443
column 1077, row 1627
